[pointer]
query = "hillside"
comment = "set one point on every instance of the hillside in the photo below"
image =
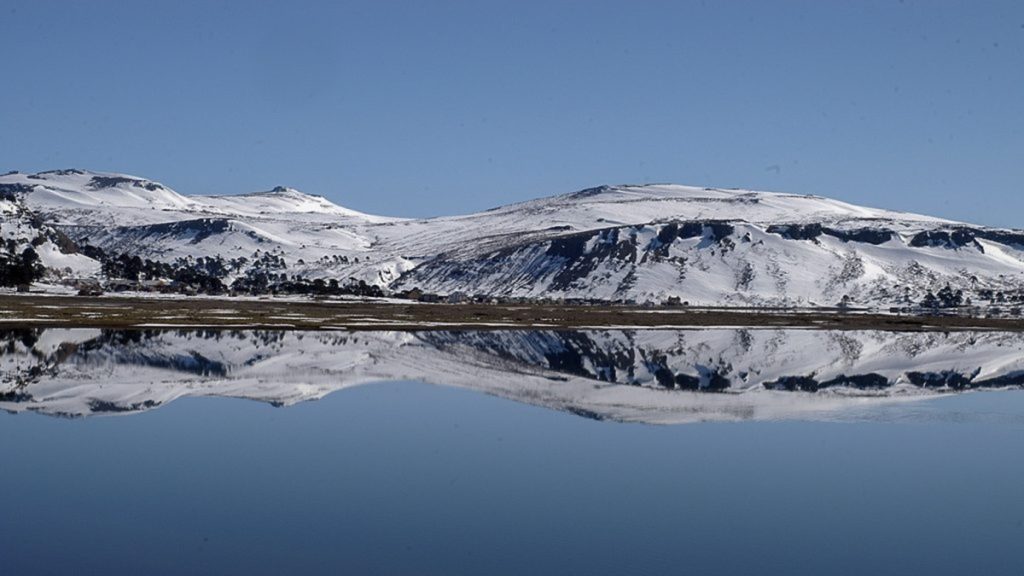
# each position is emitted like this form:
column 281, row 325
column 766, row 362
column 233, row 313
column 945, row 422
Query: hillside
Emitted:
column 654, row 243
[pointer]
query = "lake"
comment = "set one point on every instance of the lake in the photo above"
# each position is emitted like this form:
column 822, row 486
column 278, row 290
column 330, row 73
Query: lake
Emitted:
column 712, row 451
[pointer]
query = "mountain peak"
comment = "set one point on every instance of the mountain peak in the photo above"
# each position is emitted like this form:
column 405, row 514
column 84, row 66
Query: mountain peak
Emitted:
column 288, row 191
column 101, row 182
column 277, row 200
column 75, row 188
column 87, row 179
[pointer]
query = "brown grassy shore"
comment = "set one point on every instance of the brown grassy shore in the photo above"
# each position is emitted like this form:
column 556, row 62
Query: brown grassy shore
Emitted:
column 18, row 311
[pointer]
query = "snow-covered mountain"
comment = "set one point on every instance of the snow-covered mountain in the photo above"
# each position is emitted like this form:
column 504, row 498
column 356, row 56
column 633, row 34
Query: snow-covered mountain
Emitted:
column 659, row 376
column 29, row 246
column 654, row 243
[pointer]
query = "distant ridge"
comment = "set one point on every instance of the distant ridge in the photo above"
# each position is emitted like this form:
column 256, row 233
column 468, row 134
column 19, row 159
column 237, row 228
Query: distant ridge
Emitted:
column 663, row 244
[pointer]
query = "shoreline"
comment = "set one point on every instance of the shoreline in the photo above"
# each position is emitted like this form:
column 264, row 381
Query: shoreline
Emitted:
column 132, row 312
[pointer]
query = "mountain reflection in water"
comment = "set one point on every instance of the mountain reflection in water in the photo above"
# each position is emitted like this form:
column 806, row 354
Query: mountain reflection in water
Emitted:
column 654, row 376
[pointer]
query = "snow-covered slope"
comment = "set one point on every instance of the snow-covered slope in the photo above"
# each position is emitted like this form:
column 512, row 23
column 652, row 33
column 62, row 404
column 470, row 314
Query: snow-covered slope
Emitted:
column 280, row 200
column 626, row 243
column 645, row 376
column 28, row 245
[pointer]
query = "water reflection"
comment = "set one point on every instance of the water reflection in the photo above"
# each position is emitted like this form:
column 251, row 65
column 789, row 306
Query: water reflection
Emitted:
column 656, row 376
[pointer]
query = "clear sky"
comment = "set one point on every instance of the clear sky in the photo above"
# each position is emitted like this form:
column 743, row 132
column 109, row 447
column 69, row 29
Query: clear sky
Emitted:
column 426, row 108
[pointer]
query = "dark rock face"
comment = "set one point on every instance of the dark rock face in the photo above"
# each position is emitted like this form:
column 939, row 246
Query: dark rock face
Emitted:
column 945, row 379
column 14, row 396
column 9, row 191
column 959, row 237
column 570, row 247
column 869, row 381
column 100, row 182
column 1013, row 239
column 813, row 231
column 955, row 238
column 952, row 238
column 64, row 172
column 687, row 230
column 959, row 381
column 794, row 383
column 102, row 407
column 796, row 231
column 611, row 245
column 717, row 231
column 200, row 229
column 668, row 233
column 713, row 230
column 874, row 236
column 589, row 192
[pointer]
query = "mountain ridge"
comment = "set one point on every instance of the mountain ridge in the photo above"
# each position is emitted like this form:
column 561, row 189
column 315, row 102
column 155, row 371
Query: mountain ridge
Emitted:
column 658, row 243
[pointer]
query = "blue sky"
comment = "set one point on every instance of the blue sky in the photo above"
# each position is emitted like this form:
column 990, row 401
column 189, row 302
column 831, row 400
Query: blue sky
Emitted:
column 426, row 108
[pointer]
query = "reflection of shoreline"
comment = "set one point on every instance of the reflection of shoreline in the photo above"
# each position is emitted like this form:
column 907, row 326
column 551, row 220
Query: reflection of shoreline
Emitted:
column 299, row 313
column 661, row 376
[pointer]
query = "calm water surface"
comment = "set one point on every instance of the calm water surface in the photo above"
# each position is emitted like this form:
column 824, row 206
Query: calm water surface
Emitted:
column 525, row 453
